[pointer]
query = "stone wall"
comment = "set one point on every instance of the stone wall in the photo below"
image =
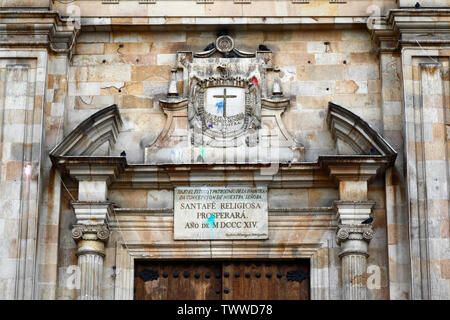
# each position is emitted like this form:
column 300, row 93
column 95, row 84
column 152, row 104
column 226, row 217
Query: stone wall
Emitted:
column 395, row 77
column 132, row 70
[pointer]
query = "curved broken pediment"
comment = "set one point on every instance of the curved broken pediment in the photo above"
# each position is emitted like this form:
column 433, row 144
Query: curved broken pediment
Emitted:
column 100, row 128
column 355, row 135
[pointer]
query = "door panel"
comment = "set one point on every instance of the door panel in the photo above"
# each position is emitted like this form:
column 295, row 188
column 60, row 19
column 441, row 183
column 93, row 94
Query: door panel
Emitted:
column 177, row 281
column 228, row 280
column 266, row 281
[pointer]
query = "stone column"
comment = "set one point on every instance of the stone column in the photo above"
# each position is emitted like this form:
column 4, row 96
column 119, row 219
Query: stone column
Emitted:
column 91, row 251
column 91, row 232
column 354, row 232
column 354, row 238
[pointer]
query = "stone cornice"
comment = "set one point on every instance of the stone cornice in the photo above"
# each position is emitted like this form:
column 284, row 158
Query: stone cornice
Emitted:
column 355, row 168
column 303, row 174
column 91, row 168
column 203, row 23
column 412, row 27
column 37, row 29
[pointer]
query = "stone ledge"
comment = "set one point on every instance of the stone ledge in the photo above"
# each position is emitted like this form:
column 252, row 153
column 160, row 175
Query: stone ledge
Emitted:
column 197, row 23
column 37, row 28
column 412, row 27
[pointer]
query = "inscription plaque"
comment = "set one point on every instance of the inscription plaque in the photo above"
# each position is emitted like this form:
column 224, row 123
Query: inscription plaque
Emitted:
column 220, row 213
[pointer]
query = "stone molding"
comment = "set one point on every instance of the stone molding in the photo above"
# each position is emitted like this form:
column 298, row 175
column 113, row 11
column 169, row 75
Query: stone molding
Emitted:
column 355, row 168
column 412, row 27
column 352, row 212
column 93, row 172
column 92, row 213
column 129, row 251
column 37, row 28
column 203, row 23
column 106, row 169
column 169, row 176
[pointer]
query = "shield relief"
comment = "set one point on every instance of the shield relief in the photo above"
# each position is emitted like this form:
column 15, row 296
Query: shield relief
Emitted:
column 226, row 108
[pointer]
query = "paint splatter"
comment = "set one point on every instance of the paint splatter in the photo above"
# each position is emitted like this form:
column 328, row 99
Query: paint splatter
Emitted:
column 211, row 220
column 219, row 106
column 210, row 125
column 202, row 152
column 255, row 81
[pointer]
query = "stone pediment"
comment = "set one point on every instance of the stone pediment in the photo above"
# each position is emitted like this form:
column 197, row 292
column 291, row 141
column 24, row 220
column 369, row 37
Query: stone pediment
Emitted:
column 86, row 139
column 225, row 113
column 354, row 136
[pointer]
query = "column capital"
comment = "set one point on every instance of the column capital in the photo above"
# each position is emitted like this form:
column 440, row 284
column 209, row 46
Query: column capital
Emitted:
column 354, row 232
column 90, row 239
column 354, row 239
column 90, row 232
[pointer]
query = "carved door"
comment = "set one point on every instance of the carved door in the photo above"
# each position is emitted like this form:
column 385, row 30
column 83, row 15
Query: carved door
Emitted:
column 237, row 280
column 266, row 280
column 178, row 281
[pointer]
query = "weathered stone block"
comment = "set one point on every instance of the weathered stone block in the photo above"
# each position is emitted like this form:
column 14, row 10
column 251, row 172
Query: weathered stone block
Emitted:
column 92, row 191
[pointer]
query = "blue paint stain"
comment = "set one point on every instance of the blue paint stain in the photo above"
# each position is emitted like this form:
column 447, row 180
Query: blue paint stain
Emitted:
column 210, row 125
column 211, row 220
column 219, row 106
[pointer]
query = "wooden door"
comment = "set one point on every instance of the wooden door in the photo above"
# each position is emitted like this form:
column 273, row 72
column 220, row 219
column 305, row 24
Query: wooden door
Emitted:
column 233, row 280
column 266, row 280
column 178, row 281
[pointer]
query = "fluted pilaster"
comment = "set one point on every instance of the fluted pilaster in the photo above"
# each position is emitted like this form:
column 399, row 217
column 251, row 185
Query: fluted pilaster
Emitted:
column 354, row 287
column 91, row 269
column 91, row 251
column 353, row 235
column 354, row 241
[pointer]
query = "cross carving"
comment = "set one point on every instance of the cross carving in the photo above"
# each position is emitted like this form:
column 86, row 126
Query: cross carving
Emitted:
column 224, row 96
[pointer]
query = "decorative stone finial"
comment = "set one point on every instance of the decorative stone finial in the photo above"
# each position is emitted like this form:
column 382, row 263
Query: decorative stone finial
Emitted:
column 173, row 88
column 276, row 88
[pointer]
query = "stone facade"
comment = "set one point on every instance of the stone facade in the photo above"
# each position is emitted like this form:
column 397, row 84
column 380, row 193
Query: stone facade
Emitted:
column 357, row 90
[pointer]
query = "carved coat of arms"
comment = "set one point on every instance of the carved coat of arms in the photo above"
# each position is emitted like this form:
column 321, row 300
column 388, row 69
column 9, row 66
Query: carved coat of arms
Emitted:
column 226, row 107
column 225, row 102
